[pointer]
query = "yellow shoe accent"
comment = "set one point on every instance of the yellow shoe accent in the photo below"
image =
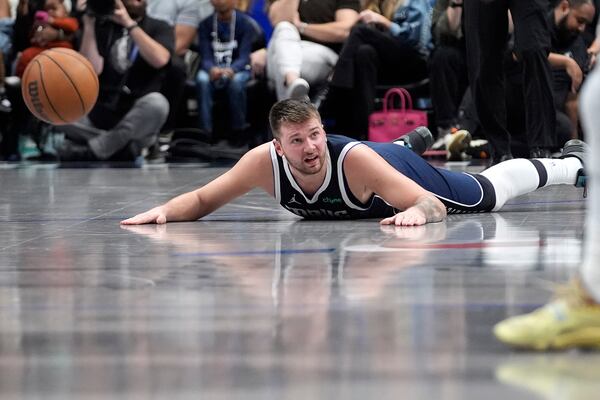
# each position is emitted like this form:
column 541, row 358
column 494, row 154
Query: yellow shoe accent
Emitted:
column 571, row 320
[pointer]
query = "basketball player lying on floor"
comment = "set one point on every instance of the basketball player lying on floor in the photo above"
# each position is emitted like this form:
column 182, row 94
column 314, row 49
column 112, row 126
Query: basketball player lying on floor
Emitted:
column 334, row 177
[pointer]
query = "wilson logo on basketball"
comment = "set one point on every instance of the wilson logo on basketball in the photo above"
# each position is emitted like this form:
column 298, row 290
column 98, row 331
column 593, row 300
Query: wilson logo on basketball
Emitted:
column 34, row 96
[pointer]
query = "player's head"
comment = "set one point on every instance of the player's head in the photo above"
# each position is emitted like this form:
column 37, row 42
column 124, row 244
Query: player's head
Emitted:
column 291, row 112
column 573, row 16
column 299, row 135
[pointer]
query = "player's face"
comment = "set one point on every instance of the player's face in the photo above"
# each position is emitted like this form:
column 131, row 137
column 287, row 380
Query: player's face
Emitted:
column 303, row 145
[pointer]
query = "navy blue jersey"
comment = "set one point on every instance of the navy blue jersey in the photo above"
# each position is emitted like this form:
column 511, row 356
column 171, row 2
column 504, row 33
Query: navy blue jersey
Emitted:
column 460, row 192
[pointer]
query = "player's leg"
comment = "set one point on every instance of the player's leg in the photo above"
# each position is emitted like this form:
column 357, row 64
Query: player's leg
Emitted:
column 517, row 177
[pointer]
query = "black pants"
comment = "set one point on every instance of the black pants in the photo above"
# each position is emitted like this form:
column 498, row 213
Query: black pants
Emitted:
column 486, row 31
column 369, row 57
column 173, row 88
column 448, row 83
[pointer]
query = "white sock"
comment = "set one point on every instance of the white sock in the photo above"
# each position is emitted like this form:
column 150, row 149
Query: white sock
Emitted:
column 517, row 177
column 590, row 118
column 561, row 171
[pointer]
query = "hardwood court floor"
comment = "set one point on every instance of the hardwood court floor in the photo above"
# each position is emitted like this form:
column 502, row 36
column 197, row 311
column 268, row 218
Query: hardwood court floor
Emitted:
column 253, row 303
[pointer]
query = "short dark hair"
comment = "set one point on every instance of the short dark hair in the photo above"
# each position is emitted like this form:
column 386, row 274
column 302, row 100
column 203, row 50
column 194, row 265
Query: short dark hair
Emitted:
column 291, row 111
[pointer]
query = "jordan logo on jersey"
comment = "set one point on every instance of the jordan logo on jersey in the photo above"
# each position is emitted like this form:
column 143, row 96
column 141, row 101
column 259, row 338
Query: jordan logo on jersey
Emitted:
column 293, row 200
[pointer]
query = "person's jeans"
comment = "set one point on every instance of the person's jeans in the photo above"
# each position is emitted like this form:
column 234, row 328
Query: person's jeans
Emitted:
column 236, row 97
column 6, row 32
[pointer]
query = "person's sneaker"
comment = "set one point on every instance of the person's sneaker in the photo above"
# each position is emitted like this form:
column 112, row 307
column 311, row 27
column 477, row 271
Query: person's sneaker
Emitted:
column 479, row 149
column 571, row 320
column 500, row 158
column 456, row 144
column 5, row 104
column 418, row 140
column 440, row 142
column 577, row 148
column 70, row 151
column 540, row 152
column 298, row 89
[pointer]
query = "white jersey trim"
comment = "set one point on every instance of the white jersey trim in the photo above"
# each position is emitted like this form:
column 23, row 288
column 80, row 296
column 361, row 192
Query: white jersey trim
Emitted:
column 461, row 204
column 276, row 174
column 292, row 180
column 340, row 172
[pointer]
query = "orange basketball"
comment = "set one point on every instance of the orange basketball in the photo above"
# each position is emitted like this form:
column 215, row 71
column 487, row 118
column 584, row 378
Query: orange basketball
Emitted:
column 59, row 86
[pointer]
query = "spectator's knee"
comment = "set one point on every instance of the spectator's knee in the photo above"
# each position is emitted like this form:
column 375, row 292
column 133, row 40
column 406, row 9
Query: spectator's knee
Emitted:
column 365, row 53
column 285, row 29
column 202, row 78
column 156, row 104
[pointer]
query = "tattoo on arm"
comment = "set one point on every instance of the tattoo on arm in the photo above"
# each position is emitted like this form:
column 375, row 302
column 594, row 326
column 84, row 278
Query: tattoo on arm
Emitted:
column 433, row 209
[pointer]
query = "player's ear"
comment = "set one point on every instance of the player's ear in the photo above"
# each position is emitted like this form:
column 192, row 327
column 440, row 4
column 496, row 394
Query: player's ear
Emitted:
column 278, row 148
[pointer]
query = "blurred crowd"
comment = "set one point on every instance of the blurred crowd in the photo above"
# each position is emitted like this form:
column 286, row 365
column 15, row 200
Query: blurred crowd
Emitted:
column 194, row 79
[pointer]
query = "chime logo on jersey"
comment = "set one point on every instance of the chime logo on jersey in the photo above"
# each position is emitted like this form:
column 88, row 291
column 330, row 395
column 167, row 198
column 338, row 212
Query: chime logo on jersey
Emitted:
column 329, row 200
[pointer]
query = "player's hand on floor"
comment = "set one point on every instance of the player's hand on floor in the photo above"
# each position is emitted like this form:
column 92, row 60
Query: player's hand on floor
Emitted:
column 409, row 217
column 155, row 216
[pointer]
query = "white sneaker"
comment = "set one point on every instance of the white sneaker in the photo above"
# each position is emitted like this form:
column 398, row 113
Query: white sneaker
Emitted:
column 298, row 89
column 456, row 144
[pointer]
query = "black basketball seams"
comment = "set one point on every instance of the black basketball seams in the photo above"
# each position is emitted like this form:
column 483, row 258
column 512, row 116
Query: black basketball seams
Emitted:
column 70, row 54
column 70, row 80
column 44, row 87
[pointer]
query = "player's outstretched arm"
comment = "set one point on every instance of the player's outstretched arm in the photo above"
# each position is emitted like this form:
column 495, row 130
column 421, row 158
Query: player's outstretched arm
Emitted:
column 367, row 173
column 253, row 170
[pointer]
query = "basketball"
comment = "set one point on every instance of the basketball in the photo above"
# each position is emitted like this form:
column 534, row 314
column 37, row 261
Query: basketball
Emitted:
column 59, row 86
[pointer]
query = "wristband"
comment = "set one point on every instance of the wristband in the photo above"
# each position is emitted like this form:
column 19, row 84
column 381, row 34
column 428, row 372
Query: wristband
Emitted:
column 454, row 4
column 302, row 28
column 131, row 27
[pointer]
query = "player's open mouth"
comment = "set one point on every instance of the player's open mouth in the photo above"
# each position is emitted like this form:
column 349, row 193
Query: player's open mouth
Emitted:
column 311, row 160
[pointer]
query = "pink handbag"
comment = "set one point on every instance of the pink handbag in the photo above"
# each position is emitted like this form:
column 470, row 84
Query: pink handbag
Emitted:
column 392, row 123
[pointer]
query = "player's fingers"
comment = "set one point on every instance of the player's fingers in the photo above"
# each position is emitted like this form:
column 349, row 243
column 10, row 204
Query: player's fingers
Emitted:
column 387, row 221
column 144, row 218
